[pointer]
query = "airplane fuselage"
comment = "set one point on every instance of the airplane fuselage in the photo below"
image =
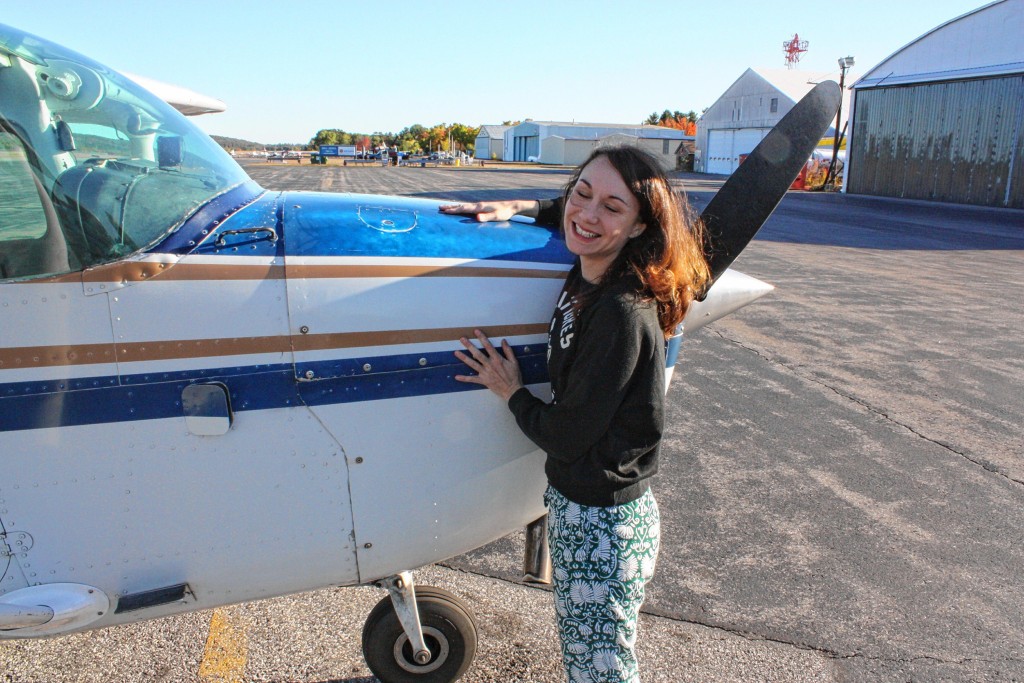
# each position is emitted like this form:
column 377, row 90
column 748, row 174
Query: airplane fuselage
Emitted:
column 211, row 393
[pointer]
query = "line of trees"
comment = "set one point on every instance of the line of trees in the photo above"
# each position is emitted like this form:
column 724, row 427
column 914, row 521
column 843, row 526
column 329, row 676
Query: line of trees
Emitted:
column 457, row 137
column 238, row 144
column 686, row 122
column 415, row 139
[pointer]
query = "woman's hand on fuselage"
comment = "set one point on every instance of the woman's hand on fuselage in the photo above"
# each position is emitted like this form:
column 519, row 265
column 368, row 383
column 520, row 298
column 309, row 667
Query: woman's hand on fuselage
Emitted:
column 498, row 371
column 493, row 211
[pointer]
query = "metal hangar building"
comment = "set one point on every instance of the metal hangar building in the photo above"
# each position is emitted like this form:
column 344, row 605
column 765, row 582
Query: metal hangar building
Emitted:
column 942, row 118
column 570, row 143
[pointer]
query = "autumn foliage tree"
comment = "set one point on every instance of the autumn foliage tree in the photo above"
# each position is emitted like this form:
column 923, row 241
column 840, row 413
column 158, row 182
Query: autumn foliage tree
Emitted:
column 686, row 122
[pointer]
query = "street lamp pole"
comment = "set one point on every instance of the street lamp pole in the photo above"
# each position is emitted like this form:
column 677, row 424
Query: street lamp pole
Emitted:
column 844, row 64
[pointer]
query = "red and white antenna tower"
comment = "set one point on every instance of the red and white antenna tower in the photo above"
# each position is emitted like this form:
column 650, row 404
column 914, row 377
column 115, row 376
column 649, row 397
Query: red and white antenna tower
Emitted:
column 793, row 48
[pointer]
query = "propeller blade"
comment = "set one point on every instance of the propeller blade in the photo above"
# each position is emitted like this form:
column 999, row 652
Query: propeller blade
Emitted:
column 752, row 192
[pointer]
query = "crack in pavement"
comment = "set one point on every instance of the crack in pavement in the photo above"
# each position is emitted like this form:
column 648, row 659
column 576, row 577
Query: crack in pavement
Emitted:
column 723, row 627
column 671, row 616
column 985, row 465
column 749, row 635
column 820, row 649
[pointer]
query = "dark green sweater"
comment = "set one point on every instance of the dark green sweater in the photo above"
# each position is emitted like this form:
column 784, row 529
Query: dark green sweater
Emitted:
column 602, row 429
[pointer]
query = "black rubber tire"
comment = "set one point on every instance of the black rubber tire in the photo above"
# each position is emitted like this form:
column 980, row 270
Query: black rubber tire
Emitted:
column 448, row 629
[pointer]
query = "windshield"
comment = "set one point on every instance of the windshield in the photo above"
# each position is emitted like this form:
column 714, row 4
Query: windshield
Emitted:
column 98, row 162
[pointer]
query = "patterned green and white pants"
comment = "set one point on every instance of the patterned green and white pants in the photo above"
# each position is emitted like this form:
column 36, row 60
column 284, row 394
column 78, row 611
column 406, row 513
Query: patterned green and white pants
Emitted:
column 602, row 558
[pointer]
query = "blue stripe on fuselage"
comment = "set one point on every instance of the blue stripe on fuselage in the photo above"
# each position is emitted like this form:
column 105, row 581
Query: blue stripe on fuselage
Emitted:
column 150, row 396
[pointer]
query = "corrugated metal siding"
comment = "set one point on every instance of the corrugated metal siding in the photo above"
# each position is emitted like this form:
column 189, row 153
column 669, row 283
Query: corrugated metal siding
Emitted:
column 954, row 141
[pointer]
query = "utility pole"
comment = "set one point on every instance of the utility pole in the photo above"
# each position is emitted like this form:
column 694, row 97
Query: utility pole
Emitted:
column 844, row 64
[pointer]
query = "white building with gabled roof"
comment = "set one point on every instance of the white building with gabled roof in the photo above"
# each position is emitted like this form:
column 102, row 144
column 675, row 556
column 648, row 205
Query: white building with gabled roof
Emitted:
column 490, row 142
column 731, row 127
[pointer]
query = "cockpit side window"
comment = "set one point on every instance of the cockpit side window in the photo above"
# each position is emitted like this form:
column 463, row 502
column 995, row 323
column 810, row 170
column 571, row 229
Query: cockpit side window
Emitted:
column 21, row 214
column 31, row 242
column 97, row 141
column 114, row 169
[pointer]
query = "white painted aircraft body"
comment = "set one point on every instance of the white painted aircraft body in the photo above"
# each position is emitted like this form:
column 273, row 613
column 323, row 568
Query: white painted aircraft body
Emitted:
column 211, row 393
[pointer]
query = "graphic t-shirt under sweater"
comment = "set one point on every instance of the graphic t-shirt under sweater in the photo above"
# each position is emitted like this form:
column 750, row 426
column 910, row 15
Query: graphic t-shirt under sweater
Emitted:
column 602, row 429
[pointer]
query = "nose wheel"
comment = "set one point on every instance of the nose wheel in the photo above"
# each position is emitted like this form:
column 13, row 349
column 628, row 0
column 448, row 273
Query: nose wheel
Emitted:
column 422, row 634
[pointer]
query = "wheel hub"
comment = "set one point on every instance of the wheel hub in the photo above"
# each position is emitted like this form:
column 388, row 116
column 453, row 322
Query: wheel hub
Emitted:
column 436, row 643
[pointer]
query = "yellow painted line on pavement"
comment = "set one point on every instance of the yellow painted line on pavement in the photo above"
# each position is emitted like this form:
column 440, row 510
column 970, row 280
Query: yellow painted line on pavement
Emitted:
column 226, row 651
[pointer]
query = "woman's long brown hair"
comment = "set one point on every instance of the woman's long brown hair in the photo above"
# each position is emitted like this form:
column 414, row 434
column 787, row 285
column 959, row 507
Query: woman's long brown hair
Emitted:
column 667, row 257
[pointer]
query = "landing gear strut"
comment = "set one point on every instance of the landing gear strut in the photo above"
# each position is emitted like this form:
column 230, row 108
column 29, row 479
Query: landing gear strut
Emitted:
column 420, row 634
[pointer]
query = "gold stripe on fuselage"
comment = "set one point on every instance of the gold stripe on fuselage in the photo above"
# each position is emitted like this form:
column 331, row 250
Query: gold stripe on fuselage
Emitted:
column 140, row 271
column 26, row 357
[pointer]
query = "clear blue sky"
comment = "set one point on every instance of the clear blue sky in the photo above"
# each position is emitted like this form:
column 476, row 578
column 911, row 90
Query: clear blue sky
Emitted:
column 287, row 68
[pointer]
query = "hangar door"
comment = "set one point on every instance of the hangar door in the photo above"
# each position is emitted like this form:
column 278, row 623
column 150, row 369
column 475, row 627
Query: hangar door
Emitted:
column 525, row 146
column 952, row 141
column 725, row 147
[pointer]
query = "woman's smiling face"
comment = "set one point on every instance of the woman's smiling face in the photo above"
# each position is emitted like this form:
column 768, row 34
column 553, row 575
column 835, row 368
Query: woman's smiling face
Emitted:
column 600, row 217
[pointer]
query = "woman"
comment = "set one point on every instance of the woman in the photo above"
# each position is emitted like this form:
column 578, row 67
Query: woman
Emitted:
column 639, row 265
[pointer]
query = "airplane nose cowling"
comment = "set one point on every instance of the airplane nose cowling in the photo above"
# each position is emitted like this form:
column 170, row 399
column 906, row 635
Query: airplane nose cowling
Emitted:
column 320, row 224
column 731, row 292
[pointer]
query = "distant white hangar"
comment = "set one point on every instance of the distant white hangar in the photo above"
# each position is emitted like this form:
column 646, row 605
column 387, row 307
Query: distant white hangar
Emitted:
column 943, row 118
column 746, row 111
column 569, row 143
column 490, row 142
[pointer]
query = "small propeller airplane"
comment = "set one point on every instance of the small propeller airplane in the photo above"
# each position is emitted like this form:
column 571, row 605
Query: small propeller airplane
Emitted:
column 212, row 393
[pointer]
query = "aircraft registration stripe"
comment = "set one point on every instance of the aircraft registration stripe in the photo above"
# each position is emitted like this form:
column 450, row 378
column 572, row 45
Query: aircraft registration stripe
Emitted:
column 84, row 354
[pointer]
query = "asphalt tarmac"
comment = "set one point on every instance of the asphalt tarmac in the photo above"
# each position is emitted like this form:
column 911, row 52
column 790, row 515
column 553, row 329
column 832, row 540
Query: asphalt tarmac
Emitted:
column 841, row 486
